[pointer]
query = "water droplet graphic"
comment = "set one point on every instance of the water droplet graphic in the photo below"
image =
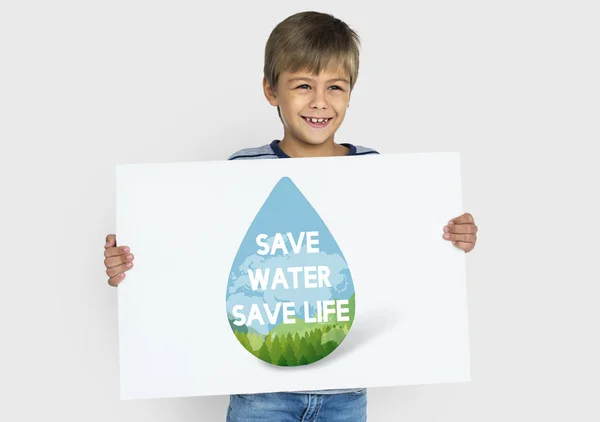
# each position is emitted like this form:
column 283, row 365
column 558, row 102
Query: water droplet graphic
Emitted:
column 290, row 297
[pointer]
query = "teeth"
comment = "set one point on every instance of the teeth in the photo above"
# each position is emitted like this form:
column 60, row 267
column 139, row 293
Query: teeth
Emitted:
column 318, row 120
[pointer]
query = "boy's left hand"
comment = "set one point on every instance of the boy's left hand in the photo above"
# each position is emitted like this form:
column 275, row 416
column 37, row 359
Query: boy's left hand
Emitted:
column 462, row 232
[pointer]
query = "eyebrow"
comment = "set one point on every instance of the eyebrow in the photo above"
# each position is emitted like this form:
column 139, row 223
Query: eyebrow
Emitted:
column 309, row 79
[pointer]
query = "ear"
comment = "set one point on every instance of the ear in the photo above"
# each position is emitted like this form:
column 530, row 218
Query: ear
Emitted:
column 270, row 93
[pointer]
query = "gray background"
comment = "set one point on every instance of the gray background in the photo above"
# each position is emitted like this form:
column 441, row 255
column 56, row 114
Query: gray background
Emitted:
column 513, row 86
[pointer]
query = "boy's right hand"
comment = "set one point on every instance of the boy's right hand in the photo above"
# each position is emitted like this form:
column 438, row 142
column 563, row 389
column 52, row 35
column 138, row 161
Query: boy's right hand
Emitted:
column 117, row 260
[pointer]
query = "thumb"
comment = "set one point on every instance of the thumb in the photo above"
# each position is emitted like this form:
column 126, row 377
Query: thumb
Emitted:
column 111, row 240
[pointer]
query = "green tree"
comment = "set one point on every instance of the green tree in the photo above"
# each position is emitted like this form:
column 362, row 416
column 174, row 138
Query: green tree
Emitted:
column 276, row 350
column 255, row 341
column 315, row 337
column 283, row 340
column 243, row 339
column 263, row 353
column 320, row 350
column 282, row 361
column 303, row 361
column 269, row 341
column 289, row 355
column 302, row 347
column 294, row 342
column 311, row 354
column 329, row 347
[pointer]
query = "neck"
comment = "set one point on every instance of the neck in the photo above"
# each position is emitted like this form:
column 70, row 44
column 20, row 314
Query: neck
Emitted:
column 294, row 148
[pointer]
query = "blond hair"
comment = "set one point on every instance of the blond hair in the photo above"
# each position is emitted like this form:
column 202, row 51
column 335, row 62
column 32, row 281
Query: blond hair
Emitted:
column 311, row 41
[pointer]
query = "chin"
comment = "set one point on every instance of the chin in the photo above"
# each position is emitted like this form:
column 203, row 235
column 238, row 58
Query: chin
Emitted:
column 314, row 141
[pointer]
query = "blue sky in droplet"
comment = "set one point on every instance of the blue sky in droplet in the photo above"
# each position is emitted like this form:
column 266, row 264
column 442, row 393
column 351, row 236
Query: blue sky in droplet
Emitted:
column 286, row 210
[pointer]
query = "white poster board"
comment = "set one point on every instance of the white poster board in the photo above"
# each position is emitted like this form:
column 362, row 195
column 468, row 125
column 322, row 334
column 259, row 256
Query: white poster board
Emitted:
column 186, row 222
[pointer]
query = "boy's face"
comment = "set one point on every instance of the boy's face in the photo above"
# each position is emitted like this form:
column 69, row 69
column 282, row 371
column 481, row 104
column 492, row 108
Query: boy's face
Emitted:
column 302, row 95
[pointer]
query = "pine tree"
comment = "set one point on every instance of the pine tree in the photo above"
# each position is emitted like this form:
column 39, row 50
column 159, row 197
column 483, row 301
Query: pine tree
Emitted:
column 302, row 347
column 283, row 340
column 320, row 350
column 329, row 347
column 295, row 345
column 250, row 337
column 311, row 354
column 314, row 337
column 243, row 339
column 289, row 355
column 276, row 350
column 282, row 361
column 269, row 341
column 303, row 361
column 263, row 353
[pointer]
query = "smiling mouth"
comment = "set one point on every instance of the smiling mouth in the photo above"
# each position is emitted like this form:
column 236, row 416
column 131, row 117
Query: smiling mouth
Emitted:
column 314, row 122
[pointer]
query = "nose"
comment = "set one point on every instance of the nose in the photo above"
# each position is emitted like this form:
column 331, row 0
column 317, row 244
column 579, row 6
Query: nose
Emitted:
column 319, row 100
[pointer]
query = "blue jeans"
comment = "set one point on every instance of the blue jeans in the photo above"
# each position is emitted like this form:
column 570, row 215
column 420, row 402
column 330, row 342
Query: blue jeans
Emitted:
column 295, row 407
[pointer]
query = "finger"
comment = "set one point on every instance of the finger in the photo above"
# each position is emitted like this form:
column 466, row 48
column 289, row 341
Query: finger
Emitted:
column 467, row 247
column 114, row 271
column 114, row 281
column 466, row 218
column 116, row 251
column 118, row 260
column 111, row 240
column 461, row 228
column 468, row 238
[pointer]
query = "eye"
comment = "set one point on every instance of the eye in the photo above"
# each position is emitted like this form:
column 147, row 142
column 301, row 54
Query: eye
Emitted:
column 337, row 87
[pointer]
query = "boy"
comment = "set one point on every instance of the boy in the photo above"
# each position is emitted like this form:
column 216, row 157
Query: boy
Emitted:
column 311, row 67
